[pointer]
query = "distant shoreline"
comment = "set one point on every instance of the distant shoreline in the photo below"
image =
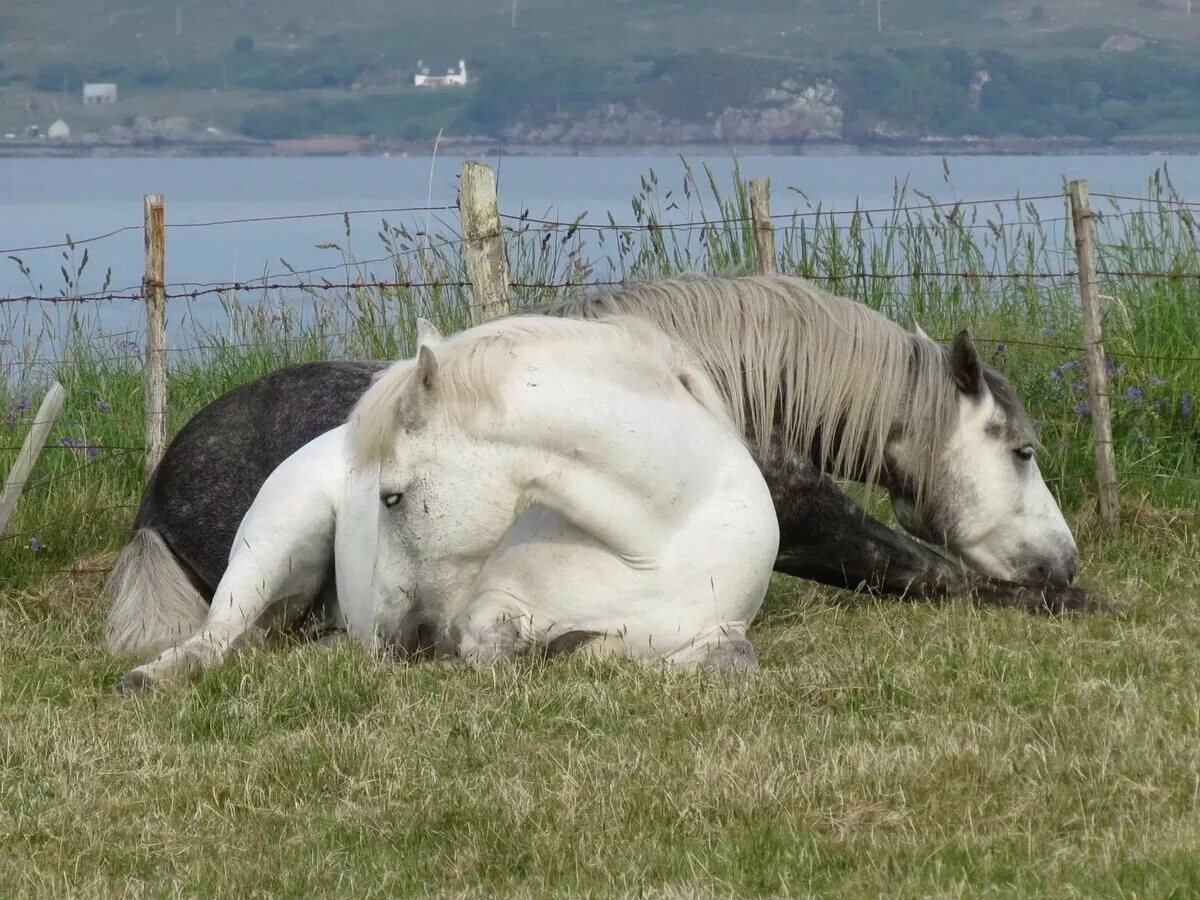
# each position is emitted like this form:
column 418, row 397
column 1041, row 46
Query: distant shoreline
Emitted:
column 359, row 147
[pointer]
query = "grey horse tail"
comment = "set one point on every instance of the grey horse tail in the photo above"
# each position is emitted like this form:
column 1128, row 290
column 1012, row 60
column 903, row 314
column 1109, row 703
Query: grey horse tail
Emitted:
column 153, row 603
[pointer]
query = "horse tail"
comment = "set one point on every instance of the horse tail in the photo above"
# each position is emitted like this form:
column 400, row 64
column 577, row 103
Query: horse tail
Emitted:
column 153, row 603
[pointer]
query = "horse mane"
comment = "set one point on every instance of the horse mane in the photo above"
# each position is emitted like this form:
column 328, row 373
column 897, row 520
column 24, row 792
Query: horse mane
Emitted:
column 471, row 365
column 789, row 357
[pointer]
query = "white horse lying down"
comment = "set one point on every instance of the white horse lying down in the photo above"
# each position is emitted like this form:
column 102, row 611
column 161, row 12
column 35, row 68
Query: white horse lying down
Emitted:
column 530, row 482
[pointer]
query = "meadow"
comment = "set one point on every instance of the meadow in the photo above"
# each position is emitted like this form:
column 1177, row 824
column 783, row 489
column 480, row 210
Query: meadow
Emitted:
column 884, row 748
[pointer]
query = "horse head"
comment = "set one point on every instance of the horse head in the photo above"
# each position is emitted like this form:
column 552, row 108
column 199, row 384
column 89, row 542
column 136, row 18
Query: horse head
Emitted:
column 980, row 492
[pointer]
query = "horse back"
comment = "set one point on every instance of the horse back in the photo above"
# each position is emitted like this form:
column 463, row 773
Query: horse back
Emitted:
column 212, row 470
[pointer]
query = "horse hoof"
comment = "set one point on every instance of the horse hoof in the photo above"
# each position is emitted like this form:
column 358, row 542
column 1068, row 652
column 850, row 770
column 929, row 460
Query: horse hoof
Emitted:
column 135, row 682
column 732, row 656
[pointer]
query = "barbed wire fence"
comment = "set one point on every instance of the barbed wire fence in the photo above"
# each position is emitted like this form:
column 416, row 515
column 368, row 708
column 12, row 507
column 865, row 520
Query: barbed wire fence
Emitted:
column 468, row 276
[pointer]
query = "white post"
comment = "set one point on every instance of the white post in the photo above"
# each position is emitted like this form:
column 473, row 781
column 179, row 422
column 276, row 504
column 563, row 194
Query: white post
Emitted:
column 483, row 242
column 31, row 449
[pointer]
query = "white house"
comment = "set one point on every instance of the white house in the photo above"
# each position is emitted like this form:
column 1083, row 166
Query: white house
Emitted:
column 97, row 93
column 450, row 79
column 58, row 131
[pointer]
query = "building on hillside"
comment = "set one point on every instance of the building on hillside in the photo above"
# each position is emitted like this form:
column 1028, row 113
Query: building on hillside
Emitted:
column 98, row 93
column 450, row 79
column 59, row 131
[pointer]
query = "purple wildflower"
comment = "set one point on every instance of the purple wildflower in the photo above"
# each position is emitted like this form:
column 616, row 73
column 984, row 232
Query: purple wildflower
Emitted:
column 130, row 347
column 1108, row 367
column 35, row 544
column 1156, row 381
column 1081, row 409
column 91, row 453
column 1185, row 406
column 102, row 405
column 1141, row 440
column 70, row 442
column 1067, row 366
column 17, row 410
column 1133, row 393
column 1056, row 376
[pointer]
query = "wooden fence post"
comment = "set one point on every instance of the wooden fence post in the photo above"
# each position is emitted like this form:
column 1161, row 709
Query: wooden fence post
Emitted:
column 764, row 231
column 483, row 247
column 154, row 368
column 1093, row 337
column 47, row 414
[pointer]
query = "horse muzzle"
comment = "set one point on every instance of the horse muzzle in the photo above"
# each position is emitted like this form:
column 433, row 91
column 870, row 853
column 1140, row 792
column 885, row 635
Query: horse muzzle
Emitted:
column 1054, row 570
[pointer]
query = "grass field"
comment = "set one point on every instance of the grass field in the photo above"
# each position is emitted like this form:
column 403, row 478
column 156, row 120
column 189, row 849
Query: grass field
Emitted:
column 884, row 749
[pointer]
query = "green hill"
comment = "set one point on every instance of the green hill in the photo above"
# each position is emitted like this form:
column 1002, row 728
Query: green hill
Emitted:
column 581, row 71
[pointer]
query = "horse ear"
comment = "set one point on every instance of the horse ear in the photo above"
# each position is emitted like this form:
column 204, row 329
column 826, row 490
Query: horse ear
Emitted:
column 917, row 329
column 427, row 334
column 965, row 365
column 422, row 387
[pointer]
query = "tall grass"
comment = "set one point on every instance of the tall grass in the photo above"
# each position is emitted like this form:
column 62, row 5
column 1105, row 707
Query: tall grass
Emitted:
column 1001, row 271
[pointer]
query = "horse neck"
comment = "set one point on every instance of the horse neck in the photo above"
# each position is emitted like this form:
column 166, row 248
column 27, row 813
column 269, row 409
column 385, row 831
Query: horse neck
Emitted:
column 860, row 454
column 627, row 452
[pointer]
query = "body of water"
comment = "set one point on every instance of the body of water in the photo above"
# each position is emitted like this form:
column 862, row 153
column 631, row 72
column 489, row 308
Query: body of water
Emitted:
column 43, row 200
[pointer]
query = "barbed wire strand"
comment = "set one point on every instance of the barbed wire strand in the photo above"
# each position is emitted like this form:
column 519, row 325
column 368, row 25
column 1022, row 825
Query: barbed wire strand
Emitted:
column 285, row 217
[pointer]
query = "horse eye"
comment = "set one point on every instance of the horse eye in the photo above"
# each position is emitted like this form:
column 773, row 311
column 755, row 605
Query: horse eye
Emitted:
column 1024, row 453
column 390, row 500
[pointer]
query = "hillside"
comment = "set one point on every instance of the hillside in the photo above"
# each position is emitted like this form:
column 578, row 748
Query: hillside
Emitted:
column 624, row 71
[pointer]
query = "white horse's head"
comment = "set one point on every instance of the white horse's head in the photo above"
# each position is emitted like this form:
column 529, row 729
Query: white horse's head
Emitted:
column 430, row 473
column 982, row 496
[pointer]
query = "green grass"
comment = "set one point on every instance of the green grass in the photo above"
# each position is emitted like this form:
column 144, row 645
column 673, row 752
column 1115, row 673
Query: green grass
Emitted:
column 883, row 749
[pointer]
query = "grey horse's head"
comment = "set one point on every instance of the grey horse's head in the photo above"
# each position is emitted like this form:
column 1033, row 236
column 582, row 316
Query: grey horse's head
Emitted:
column 980, row 493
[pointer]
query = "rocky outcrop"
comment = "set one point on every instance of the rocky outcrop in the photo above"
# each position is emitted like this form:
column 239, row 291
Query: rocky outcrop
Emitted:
column 1123, row 43
column 786, row 113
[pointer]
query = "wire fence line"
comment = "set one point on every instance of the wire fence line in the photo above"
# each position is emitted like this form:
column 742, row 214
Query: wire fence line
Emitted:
column 439, row 270
column 196, row 291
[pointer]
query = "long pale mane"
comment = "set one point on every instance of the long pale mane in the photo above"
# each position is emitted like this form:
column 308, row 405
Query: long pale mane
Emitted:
column 472, row 365
column 795, row 359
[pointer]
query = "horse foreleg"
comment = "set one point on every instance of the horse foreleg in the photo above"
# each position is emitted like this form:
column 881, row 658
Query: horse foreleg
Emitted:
column 824, row 536
column 490, row 629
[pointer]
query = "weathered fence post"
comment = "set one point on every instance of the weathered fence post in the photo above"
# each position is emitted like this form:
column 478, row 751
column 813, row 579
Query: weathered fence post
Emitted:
column 154, row 369
column 483, row 247
column 764, row 231
column 47, row 414
column 1093, row 337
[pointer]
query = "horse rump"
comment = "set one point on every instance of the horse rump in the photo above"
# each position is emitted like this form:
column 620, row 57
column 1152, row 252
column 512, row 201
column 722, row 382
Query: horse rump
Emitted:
column 152, row 601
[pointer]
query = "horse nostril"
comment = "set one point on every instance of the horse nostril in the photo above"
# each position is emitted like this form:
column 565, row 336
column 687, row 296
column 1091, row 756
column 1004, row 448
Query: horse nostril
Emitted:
column 1053, row 574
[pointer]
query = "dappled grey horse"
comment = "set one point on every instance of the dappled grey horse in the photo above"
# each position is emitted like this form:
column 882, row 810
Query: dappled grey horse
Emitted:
column 821, row 385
